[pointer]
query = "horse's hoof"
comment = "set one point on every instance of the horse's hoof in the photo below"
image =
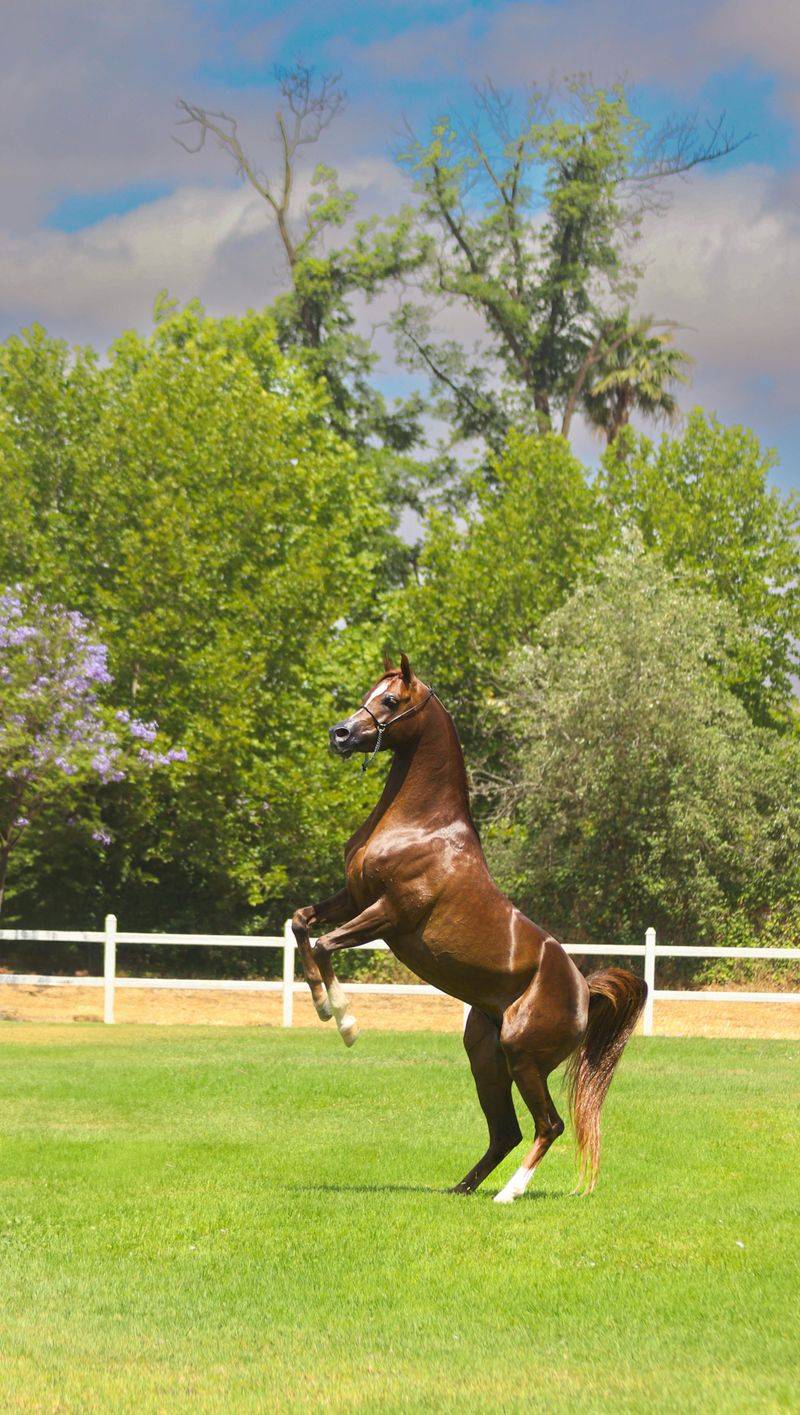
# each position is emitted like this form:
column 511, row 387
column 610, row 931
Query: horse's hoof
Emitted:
column 463, row 1188
column 348, row 1028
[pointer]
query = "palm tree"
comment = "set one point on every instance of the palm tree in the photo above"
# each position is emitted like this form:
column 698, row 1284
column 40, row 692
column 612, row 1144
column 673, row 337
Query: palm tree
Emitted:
column 636, row 363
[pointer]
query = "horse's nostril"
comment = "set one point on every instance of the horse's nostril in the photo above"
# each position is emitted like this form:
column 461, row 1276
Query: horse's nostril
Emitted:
column 341, row 734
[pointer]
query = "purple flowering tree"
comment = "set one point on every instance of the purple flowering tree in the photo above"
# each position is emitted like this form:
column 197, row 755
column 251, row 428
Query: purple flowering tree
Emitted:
column 59, row 741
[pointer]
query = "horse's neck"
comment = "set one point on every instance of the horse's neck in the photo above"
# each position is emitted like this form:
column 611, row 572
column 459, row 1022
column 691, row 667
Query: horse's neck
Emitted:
column 428, row 779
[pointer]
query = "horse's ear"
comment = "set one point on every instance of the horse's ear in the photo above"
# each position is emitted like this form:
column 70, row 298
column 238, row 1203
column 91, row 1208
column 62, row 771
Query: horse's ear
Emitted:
column 388, row 666
column 406, row 669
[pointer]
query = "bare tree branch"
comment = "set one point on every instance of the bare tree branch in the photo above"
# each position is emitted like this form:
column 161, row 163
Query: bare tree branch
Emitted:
column 226, row 131
column 314, row 109
column 308, row 107
column 678, row 146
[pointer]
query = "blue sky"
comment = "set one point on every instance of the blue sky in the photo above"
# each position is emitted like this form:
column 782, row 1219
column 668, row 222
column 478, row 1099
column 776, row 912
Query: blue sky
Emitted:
column 102, row 209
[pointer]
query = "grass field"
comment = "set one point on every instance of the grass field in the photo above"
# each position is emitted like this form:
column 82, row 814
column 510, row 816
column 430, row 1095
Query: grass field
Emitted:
column 247, row 1220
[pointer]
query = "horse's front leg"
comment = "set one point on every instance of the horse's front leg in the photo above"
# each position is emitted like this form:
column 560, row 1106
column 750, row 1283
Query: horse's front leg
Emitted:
column 365, row 926
column 328, row 911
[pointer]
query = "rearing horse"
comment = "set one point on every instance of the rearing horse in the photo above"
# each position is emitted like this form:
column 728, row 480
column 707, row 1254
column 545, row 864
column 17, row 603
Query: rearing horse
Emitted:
column 417, row 877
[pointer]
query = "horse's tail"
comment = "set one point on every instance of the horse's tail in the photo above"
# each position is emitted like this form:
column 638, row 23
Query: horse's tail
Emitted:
column 616, row 997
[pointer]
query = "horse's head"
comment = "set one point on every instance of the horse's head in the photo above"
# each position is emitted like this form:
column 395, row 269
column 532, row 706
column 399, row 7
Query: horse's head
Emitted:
column 388, row 715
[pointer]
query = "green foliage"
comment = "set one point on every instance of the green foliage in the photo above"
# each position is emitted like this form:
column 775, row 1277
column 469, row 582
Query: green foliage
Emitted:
column 536, row 285
column 192, row 497
column 316, row 324
column 316, row 318
column 535, row 214
column 638, row 791
column 705, row 504
column 636, row 368
column 487, row 580
column 48, row 405
column 525, row 220
column 329, row 278
column 222, row 500
column 62, row 750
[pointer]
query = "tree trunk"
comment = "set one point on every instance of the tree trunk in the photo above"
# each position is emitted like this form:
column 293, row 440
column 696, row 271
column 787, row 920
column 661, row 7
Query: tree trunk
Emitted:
column 541, row 403
column 620, row 414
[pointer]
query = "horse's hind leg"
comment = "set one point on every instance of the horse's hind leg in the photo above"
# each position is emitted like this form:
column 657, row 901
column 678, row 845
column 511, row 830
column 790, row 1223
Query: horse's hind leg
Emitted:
column 540, row 1030
column 531, row 1081
column 493, row 1084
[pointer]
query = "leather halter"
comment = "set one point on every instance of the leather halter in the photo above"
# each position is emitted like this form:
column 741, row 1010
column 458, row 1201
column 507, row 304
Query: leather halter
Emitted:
column 382, row 727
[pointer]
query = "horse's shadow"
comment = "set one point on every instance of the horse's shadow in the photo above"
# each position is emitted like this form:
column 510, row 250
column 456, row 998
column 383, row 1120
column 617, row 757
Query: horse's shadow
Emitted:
column 531, row 1196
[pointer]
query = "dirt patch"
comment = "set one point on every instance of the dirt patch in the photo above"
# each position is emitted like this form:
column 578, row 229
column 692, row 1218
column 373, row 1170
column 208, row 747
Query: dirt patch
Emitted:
column 774, row 1021
column 178, row 1006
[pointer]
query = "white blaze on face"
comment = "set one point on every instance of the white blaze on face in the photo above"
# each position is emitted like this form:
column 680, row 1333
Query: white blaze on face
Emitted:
column 377, row 692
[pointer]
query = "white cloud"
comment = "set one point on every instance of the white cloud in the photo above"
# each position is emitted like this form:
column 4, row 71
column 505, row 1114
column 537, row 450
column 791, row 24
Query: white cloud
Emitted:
column 675, row 46
column 88, row 91
column 522, row 41
column 214, row 243
column 85, row 98
column 91, row 284
column 767, row 35
column 725, row 261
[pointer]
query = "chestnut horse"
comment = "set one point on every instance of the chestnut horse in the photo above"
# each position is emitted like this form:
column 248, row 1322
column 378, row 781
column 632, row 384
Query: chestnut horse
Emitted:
column 417, row 877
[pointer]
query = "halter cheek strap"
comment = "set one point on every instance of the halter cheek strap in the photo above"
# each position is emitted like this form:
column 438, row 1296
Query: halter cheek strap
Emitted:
column 382, row 727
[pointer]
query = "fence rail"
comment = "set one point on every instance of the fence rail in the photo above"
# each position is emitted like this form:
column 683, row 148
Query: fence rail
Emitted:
column 288, row 986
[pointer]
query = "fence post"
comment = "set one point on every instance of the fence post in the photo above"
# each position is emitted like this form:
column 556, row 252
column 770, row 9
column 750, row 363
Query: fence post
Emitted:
column 109, row 966
column 650, row 978
column 289, row 946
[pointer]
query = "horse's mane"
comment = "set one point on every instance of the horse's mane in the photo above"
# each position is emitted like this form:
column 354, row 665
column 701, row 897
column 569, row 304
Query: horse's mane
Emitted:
column 462, row 767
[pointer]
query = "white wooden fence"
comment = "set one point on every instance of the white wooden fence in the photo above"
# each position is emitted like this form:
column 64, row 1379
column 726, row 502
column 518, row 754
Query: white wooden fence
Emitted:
column 287, row 986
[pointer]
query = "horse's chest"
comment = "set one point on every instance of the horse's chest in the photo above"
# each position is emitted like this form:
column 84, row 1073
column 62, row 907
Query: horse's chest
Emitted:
column 391, row 863
column 368, row 872
column 409, row 866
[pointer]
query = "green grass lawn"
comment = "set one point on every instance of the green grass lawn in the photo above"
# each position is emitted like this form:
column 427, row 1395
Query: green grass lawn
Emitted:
column 227, row 1220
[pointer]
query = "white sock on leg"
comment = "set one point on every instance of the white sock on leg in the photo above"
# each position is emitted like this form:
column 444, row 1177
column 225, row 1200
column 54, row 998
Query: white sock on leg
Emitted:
column 516, row 1186
column 345, row 1021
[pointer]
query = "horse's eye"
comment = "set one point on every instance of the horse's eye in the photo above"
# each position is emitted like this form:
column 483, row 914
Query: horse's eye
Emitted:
column 390, row 701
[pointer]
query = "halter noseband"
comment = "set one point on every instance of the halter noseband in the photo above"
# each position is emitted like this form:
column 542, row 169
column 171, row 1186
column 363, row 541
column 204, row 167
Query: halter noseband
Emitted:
column 382, row 727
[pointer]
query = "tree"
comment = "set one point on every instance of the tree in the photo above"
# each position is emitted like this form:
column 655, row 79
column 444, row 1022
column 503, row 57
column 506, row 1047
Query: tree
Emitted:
column 49, row 405
column 534, row 215
column 228, row 545
column 629, row 370
column 532, row 530
column 704, row 502
column 636, row 789
column 59, row 745
column 315, row 317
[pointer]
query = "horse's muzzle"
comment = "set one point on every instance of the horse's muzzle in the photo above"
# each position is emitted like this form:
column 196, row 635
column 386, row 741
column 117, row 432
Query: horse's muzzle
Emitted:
column 343, row 739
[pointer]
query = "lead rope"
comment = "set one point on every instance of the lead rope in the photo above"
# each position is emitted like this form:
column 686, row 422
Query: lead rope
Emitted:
column 378, row 740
